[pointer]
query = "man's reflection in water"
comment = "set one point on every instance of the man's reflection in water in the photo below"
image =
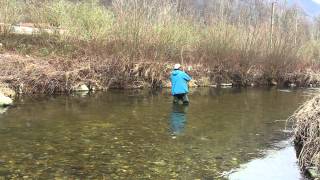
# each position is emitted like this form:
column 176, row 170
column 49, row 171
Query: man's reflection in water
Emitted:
column 178, row 118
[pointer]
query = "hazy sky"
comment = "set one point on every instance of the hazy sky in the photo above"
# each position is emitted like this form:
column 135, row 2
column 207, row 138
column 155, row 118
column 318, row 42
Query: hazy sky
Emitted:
column 317, row 1
column 311, row 7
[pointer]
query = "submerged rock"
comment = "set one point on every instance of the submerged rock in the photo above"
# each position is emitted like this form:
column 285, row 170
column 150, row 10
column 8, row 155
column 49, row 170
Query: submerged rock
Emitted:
column 273, row 82
column 2, row 111
column 292, row 85
column 226, row 84
column 6, row 91
column 5, row 101
column 160, row 163
column 81, row 88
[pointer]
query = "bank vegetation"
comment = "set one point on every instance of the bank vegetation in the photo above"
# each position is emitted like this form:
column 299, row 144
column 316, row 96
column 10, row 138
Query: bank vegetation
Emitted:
column 307, row 136
column 251, row 42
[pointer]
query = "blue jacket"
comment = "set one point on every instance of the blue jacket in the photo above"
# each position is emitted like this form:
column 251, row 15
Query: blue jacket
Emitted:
column 179, row 82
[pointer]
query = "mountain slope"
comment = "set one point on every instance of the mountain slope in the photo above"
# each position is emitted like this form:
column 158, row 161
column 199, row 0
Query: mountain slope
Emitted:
column 309, row 6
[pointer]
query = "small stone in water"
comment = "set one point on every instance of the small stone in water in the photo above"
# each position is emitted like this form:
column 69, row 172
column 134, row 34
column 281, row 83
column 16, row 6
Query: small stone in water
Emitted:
column 160, row 163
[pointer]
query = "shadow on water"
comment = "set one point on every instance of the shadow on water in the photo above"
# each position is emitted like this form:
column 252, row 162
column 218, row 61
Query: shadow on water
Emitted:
column 128, row 134
column 178, row 118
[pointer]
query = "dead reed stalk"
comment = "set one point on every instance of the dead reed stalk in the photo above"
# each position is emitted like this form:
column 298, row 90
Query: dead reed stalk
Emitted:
column 307, row 133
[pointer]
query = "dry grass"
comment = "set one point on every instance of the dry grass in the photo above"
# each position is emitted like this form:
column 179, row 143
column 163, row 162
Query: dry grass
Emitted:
column 34, row 75
column 157, row 30
column 62, row 75
column 233, row 48
column 307, row 133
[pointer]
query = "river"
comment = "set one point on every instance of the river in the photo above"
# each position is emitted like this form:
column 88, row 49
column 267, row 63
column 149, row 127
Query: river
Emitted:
column 141, row 135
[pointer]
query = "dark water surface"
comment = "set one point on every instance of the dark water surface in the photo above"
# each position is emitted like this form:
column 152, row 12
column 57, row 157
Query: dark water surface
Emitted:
column 141, row 135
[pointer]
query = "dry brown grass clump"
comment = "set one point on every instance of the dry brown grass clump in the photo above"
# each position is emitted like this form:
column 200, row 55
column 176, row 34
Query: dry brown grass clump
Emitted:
column 55, row 75
column 35, row 75
column 231, row 40
column 307, row 133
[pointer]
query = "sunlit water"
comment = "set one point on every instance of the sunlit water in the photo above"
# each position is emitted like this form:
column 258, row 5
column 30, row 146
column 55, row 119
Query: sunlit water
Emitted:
column 276, row 164
column 141, row 134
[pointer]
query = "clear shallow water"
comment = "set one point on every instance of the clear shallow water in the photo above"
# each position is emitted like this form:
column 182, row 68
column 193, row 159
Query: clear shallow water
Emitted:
column 141, row 135
column 277, row 164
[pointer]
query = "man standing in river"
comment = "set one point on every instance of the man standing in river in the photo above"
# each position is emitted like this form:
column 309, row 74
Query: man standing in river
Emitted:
column 179, row 82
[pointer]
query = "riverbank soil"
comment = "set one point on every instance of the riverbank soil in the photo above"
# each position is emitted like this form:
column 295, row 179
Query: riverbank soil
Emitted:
column 307, row 135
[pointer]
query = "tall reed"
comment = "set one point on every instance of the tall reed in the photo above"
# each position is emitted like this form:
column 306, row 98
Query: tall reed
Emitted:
column 235, row 33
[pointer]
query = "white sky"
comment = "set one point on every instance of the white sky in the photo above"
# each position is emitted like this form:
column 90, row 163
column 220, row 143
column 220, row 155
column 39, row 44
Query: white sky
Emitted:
column 317, row 1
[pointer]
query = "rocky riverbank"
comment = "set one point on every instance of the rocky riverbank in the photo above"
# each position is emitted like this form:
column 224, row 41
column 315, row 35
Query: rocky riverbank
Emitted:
column 5, row 100
column 6, row 95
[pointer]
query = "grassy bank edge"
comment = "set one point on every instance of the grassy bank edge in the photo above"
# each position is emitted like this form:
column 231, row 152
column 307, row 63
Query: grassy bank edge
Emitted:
column 306, row 122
